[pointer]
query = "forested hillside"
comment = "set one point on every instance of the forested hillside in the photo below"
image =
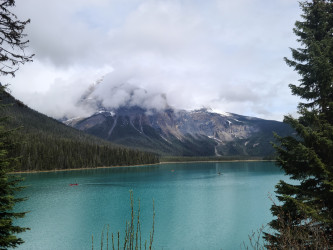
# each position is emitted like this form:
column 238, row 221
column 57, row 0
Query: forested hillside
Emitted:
column 46, row 144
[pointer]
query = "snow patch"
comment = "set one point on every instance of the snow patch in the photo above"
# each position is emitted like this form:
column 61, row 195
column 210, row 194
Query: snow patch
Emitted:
column 166, row 139
column 221, row 113
column 214, row 138
column 105, row 113
column 238, row 121
column 73, row 119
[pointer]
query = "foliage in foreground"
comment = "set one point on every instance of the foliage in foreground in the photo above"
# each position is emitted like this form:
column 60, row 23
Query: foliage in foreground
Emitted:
column 311, row 235
column 12, row 40
column 132, row 239
column 305, row 206
column 9, row 185
column 12, row 45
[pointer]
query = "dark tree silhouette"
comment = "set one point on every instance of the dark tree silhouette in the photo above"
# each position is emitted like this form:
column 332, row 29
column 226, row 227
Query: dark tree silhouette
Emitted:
column 12, row 45
column 12, row 40
column 305, row 208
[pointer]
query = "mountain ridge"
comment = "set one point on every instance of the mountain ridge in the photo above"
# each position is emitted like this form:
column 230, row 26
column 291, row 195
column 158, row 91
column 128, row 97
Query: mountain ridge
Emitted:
column 185, row 133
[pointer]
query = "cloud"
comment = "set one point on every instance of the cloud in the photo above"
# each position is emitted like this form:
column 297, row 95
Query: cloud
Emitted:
column 56, row 91
column 217, row 53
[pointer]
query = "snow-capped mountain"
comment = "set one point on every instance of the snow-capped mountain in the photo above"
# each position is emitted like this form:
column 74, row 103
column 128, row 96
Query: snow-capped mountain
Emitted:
column 187, row 133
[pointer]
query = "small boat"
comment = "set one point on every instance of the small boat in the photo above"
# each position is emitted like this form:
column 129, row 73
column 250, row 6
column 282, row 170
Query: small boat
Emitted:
column 73, row 184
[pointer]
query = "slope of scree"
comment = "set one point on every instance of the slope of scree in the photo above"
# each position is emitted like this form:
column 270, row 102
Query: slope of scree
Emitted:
column 184, row 133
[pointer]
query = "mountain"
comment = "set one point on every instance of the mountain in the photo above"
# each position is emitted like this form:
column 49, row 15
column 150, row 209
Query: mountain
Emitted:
column 47, row 144
column 184, row 133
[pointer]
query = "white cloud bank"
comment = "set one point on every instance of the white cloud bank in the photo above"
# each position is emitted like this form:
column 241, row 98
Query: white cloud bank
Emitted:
column 227, row 55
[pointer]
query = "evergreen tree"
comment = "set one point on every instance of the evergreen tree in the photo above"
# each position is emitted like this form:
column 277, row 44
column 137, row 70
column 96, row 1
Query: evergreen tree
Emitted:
column 12, row 40
column 305, row 209
column 8, row 188
column 12, row 45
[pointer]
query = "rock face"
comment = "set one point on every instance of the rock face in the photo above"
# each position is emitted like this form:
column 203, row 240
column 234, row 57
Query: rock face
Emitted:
column 185, row 133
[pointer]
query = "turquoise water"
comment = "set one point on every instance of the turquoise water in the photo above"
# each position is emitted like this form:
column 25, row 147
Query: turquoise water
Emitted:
column 196, row 208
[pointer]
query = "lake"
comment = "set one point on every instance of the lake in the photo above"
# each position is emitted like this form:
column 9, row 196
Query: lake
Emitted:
column 197, row 205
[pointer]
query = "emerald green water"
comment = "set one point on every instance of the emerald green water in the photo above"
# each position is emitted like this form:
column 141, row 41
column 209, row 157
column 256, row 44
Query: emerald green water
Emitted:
column 196, row 208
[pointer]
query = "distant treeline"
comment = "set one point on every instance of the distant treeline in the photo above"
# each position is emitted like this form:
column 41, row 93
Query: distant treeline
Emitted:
column 49, row 153
column 213, row 158
column 46, row 144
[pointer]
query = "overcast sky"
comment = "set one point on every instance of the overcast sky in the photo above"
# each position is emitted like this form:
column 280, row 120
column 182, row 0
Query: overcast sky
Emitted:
column 222, row 54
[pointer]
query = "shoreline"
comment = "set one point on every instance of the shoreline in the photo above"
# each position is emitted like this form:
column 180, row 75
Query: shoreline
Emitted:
column 139, row 165
column 79, row 169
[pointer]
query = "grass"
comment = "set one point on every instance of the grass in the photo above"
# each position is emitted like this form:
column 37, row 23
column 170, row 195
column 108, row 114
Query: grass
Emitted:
column 311, row 235
column 306, row 233
column 132, row 238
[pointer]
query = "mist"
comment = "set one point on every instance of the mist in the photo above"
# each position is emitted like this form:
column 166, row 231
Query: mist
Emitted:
column 185, row 54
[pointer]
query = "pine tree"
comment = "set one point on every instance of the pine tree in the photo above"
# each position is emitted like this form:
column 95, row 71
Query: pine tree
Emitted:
column 12, row 45
column 9, row 185
column 12, row 40
column 305, row 208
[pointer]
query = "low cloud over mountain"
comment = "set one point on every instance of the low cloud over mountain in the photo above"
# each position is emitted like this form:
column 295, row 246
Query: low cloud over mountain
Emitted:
column 221, row 54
